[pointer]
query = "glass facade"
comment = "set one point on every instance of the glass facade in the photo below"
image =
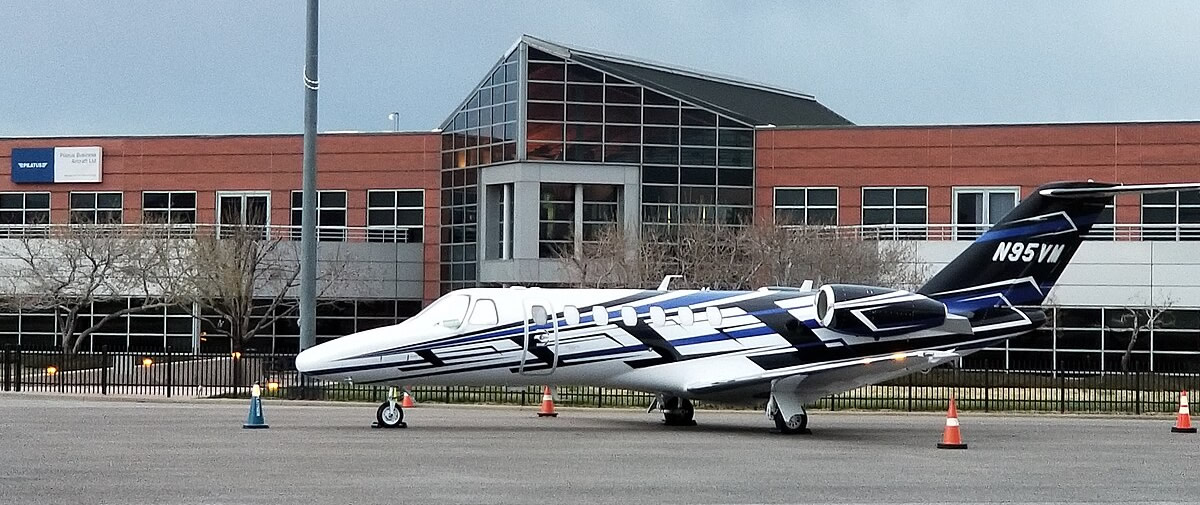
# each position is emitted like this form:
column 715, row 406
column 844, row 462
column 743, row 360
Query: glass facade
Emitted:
column 697, row 166
column 1096, row 338
column 482, row 132
column 154, row 331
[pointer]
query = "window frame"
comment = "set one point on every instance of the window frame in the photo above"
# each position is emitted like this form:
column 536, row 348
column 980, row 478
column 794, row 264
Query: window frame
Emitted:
column 391, row 233
column 94, row 210
column 325, row 233
column 958, row 228
column 910, row 231
column 775, row 207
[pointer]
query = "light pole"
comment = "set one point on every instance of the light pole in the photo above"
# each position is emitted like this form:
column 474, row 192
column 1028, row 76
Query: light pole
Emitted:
column 395, row 117
column 308, row 213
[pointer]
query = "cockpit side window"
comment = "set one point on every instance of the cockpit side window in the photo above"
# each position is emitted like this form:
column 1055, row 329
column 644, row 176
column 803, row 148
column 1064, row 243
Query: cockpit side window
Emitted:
column 484, row 312
column 448, row 312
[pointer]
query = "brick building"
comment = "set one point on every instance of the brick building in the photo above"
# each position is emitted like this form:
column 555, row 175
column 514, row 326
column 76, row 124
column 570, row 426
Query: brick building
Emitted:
column 555, row 139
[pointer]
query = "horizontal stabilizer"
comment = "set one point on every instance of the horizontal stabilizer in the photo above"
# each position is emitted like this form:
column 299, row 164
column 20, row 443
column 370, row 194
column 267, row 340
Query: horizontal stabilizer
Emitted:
column 1092, row 192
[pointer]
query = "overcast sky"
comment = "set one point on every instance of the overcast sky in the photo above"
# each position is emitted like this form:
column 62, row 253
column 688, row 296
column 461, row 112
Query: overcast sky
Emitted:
column 233, row 66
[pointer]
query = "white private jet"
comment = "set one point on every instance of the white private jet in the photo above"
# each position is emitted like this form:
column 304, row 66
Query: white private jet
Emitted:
column 785, row 346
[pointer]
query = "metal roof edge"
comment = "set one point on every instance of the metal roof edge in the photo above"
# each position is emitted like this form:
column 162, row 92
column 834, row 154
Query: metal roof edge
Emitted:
column 664, row 67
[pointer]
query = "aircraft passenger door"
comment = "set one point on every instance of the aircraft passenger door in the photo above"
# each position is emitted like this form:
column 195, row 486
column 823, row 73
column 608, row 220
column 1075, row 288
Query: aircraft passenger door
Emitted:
column 541, row 339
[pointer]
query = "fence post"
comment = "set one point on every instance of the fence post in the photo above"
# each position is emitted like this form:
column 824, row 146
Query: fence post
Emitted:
column 104, row 370
column 599, row 397
column 987, row 390
column 20, row 366
column 911, row 379
column 1137, row 392
column 170, row 368
column 1062, row 392
column 447, row 394
column 62, row 369
column 7, row 378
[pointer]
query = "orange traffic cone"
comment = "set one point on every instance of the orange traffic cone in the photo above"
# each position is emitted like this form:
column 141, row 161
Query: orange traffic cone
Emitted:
column 1183, row 422
column 951, row 438
column 407, row 402
column 547, row 404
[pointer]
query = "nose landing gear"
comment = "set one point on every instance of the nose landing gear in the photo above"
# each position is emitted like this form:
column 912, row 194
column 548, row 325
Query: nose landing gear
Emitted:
column 390, row 414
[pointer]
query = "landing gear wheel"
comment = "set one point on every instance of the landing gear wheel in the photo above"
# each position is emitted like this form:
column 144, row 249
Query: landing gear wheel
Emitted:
column 795, row 425
column 389, row 415
column 678, row 412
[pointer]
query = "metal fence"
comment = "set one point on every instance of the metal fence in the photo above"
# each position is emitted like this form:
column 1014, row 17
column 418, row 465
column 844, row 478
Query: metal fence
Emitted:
column 231, row 375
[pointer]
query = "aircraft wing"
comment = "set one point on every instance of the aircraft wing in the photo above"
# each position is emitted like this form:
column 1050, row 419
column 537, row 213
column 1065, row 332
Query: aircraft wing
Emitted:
column 818, row 379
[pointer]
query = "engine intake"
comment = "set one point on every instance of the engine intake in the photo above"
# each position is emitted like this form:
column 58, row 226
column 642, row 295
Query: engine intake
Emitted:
column 872, row 311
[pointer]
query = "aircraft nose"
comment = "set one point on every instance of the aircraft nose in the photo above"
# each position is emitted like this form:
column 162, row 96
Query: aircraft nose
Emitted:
column 312, row 359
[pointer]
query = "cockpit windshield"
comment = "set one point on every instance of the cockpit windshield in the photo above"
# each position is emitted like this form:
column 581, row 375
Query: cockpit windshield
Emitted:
column 448, row 312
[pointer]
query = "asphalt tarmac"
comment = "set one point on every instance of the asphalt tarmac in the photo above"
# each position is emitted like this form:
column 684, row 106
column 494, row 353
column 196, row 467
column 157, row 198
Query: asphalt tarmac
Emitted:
column 66, row 451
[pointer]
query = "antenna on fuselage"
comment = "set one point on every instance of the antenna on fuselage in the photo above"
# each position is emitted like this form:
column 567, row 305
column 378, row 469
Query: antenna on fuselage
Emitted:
column 666, row 282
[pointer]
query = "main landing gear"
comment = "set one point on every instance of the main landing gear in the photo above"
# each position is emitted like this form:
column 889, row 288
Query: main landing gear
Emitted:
column 390, row 414
column 676, row 411
column 787, row 409
column 795, row 424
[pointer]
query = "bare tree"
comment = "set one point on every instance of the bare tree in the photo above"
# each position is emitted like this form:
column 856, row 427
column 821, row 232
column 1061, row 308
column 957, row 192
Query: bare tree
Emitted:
column 727, row 257
column 70, row 268
column 240, row 281
column 1135, row 320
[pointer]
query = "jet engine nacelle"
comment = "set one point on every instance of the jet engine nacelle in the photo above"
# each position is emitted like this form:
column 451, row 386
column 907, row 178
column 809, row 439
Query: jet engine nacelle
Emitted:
column 872, row 311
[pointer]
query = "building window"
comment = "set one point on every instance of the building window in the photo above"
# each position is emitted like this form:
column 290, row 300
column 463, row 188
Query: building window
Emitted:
column 1104, row 228
column 252, row 208
column 806, row 206
column 977, row 209
column 23, row 214
column 1171, row 216
column 95, row 208
column 593, row 208
column 176, row 208
column 895, row 213
column 601, row 210
column 556, row 220
column 331, row 214
column 395, row 215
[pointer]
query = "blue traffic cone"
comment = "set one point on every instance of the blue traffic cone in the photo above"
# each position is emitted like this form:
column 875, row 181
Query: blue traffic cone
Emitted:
column 255, row 419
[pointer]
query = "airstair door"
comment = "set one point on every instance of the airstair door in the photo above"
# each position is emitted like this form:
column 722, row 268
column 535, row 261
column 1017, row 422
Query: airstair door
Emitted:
column 541, row 339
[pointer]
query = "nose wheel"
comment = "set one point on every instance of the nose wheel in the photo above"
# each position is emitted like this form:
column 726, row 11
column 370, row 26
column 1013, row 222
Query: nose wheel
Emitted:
column 390, row 414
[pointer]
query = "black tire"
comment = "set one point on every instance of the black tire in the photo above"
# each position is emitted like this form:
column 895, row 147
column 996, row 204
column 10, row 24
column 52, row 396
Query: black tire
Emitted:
column 387, row 419
column 679, row 412
column 797, row 426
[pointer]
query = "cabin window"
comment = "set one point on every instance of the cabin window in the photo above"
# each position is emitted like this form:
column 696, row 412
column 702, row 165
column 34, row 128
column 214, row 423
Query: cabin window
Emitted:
column 540, row 317
column 685, row 316
column 571, row 315
column 600, row 315
column 714, row 316
column 484, row 313
column 629, row 316
column 658, row 316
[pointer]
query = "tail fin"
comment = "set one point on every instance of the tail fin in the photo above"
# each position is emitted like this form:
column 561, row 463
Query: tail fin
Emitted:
column 1022, row 256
